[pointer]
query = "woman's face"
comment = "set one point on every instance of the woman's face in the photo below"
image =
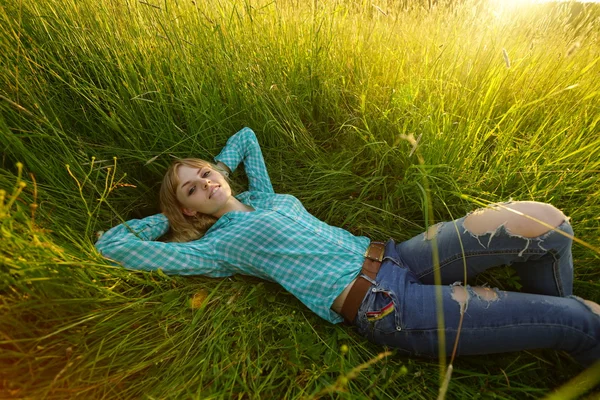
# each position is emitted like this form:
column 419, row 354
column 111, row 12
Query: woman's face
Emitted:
column 202, row 190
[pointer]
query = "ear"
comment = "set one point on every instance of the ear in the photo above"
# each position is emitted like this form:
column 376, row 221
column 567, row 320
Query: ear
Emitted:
column 188, row 212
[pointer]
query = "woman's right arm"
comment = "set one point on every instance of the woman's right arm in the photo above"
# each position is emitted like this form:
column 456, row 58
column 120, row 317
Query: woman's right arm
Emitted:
column 133, row 244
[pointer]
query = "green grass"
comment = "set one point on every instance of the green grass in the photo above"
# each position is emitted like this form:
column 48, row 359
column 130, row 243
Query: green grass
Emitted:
column 328, row 87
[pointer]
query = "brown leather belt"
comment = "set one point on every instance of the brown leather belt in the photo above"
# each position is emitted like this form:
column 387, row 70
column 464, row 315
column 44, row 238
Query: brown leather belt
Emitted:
column 373, row 258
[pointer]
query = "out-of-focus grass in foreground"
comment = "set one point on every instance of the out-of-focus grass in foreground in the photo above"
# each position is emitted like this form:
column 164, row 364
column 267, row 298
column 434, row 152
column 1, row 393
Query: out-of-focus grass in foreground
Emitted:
column 97, row 96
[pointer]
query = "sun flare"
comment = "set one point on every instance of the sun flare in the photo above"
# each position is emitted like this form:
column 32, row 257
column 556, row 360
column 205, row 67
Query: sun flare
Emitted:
column 516, row 2
column 510, row 3
column 501, row 7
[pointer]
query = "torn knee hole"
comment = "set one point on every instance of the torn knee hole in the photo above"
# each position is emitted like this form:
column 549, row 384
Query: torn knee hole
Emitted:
column 432, row 231
column 485, row 293
column 460, row 294
column 525, row 218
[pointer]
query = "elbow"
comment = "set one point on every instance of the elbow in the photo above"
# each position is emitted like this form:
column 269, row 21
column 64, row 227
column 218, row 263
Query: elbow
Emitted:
column 107, row 255
column 111, row 252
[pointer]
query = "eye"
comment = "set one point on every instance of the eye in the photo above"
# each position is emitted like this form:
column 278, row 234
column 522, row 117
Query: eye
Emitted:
column 204, row 175
column 192, row 189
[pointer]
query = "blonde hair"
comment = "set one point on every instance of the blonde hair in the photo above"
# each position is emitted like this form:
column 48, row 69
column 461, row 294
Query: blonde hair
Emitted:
column 183, row 228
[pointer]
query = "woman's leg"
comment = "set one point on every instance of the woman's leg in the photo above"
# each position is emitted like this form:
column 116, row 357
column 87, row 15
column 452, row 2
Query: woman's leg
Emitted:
column 399, row 311
column 500, row 235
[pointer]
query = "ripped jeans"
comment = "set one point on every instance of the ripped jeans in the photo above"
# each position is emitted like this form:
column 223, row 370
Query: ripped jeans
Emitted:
column 399, row 311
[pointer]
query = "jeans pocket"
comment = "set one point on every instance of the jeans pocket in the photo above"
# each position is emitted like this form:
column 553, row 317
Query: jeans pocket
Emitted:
column 380, row 312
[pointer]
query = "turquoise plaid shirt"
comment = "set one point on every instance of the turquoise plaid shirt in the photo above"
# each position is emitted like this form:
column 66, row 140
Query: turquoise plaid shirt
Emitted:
column 279, row 241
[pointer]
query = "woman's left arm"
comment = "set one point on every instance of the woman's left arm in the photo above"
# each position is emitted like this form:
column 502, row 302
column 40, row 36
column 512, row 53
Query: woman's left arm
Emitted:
column 244, row 147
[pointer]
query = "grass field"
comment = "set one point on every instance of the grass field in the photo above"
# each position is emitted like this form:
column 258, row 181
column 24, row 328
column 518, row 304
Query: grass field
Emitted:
column 96, row 97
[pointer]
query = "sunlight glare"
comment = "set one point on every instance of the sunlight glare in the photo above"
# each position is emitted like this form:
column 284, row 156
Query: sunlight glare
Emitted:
column 504, row 7
column 521, row 2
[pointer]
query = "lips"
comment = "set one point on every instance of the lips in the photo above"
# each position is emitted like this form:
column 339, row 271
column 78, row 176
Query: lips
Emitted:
column 214, row 189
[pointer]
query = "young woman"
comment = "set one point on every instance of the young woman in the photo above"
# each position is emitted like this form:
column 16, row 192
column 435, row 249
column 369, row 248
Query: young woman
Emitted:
column 385, row 290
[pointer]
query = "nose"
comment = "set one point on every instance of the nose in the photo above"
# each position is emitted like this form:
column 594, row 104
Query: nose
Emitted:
column 204, row 183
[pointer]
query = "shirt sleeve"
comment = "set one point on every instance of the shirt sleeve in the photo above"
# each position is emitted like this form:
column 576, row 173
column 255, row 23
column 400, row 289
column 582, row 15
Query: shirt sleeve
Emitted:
column 133, row 244
column 244, row 147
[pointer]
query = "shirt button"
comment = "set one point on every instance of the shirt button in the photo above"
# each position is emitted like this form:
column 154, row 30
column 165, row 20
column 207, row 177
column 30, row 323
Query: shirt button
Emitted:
column 339, row 242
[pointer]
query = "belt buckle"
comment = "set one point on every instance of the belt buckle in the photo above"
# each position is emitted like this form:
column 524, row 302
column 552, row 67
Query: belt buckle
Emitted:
column 381, row 252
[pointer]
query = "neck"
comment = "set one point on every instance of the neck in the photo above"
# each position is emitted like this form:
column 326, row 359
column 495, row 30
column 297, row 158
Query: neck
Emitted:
column 233, row 205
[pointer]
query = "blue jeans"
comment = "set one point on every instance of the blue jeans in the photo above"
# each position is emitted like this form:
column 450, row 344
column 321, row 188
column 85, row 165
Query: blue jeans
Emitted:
column 399, row 310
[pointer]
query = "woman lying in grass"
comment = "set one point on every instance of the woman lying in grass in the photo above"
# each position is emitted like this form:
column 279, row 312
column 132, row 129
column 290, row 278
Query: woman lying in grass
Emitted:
column 385, row 290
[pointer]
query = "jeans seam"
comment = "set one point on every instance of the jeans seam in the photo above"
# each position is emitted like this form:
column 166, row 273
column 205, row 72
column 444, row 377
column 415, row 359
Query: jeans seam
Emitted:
column 477, row 254
column 405, row 330
column 556, row 272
